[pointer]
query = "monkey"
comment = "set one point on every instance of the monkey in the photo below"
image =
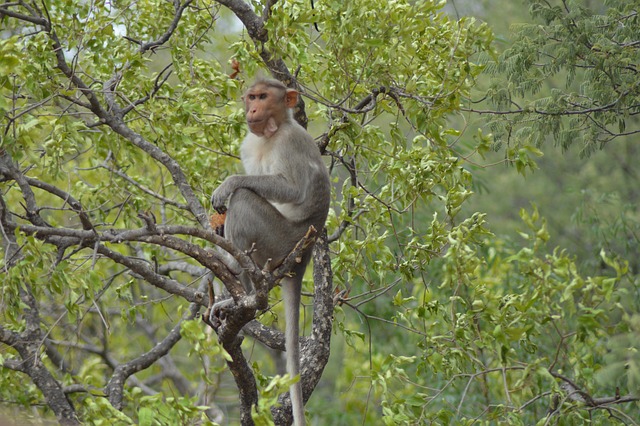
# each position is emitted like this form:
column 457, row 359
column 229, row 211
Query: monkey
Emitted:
column 285, row 190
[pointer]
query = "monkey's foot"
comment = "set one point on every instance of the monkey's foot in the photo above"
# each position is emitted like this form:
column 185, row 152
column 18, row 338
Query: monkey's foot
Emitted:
column 216, row 313
column 211, row 320
column 220, row 308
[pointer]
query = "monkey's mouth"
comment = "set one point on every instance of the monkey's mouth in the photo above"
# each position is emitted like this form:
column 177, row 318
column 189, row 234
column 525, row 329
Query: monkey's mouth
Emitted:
column 256, row 121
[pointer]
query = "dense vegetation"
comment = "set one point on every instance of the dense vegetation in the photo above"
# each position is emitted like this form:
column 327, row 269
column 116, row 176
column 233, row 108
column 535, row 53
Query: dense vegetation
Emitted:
column 480, row 262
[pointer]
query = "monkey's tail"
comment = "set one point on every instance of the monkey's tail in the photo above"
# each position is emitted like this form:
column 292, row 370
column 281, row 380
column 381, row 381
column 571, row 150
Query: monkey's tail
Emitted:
column 291, row 288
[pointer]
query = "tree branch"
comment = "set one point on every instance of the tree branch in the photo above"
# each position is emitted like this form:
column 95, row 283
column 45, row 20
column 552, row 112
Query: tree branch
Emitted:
column 114, row 388
column 166, row 160
column 575, row 393
column 179, row 9
column 9, row 169
column 143, row 188
column 28, row 344
column 37, row 20
column 68, row 199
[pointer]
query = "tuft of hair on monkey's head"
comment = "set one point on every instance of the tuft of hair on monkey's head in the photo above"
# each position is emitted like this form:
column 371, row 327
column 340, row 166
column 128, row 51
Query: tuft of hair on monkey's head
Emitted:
column 269, row 82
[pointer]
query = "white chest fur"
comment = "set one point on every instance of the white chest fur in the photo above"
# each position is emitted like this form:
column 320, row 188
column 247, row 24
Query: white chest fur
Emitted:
column 256, row 153
column 260, row 156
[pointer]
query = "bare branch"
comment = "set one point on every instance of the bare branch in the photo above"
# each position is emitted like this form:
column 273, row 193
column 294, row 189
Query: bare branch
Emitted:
column 159, row 235
column 152, row 277
column 8, row 337
column 37, row 20
column 13, row 118
column 68, row 199
column 252, row 22
column 266, row 12
column 576, row 393
column 9, row 169
column 244, row 378
column 8, row 238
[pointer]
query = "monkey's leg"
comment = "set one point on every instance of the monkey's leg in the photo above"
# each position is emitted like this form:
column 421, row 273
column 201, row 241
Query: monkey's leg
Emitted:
column 249, row 226
column 254, row 224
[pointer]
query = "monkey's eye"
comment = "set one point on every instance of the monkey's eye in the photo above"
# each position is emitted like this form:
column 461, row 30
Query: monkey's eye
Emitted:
column 263, row 96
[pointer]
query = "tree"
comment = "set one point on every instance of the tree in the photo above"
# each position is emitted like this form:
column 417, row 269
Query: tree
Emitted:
column 587, row 54
column 120, row 119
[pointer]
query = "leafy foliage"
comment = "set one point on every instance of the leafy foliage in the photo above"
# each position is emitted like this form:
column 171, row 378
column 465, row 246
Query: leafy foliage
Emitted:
column 591, row 53
column 119, row 120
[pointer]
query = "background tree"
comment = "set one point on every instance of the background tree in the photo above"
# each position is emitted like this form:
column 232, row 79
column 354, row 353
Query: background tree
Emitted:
column 119, row 119
column 571, row 76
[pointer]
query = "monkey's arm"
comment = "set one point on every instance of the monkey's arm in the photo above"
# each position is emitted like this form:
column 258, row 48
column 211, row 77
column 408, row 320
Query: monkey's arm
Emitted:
column 275, row 188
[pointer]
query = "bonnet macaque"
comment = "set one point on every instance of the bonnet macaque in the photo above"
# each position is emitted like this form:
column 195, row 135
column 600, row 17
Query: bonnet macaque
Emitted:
column 284, row 191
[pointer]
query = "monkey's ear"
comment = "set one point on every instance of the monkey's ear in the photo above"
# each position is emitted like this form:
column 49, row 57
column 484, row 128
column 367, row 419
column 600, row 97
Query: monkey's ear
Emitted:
column 291, row 98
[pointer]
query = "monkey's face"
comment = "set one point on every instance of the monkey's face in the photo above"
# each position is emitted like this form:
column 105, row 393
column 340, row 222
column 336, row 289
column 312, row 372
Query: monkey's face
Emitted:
column 262, row 104
column 266, row 108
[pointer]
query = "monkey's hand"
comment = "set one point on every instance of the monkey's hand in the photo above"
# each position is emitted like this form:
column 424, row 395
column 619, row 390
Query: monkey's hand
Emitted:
column 222, row 193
